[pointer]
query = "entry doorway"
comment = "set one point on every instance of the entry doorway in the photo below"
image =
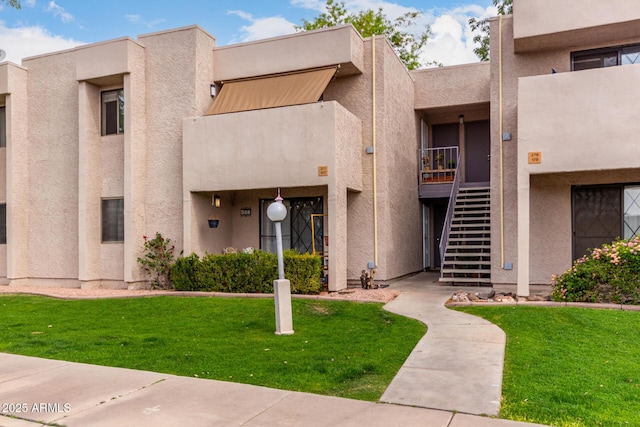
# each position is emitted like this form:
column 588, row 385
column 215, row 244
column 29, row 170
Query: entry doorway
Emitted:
column 477, row 151
column 297, row 230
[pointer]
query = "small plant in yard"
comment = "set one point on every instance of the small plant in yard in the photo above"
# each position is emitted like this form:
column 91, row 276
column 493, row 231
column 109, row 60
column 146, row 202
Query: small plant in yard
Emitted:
column 609, row 274
column 157, row 260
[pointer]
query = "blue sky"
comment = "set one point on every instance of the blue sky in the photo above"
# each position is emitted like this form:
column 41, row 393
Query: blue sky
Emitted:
column 43, row 26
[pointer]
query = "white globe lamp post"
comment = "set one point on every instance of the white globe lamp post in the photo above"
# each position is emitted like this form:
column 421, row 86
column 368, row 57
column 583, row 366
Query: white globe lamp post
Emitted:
column 277, row 212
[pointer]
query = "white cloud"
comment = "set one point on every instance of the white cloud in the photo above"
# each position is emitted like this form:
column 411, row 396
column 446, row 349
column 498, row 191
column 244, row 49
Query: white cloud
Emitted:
column 262, row 28
column 22, row 42
column 30, row 3
column 451, row 41
column 138, row 19
column 59, row 12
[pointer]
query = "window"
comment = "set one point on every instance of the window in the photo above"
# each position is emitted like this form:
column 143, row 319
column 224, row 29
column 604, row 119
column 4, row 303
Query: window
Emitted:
column 607, row 57
column 3, row 224
column 113, row 112
column 112, row 220
column 603, row 213
column 3, row 127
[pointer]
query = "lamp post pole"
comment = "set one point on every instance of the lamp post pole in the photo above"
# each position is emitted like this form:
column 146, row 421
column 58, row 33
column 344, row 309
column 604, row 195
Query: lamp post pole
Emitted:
column 277, row 212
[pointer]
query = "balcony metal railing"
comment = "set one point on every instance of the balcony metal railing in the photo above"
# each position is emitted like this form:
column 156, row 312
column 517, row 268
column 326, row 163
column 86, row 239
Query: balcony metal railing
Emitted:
column 438, row 165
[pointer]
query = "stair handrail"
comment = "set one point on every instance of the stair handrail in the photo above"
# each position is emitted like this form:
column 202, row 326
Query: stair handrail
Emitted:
column 446, row 228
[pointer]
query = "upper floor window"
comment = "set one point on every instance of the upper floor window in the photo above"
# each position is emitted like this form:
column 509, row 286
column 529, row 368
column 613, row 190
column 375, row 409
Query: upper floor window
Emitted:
column 3, row 127
column 113, row 112
column 606, row 57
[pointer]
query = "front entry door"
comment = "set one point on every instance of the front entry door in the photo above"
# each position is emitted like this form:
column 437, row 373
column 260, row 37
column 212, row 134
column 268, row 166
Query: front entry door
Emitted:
column 477, row 151
column 296, row 227
column 301, row 211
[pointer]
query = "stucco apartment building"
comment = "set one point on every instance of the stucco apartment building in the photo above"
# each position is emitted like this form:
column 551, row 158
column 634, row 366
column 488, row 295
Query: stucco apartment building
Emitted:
column 500, row 172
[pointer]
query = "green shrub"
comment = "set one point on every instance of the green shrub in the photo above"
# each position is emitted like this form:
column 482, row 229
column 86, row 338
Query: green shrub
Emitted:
column 610, row 274
column 183, row 273
column 252, row 272
column 303, row 271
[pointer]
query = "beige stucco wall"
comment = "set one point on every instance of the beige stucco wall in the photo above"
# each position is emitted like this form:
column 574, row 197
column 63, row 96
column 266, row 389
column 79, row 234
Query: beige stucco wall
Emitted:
column 280, row 147
column 562, row 115
column 13, row 81
column 452, row 87
column 550, row 24
column 400, row 214
column 53, row 167
column 329, row 46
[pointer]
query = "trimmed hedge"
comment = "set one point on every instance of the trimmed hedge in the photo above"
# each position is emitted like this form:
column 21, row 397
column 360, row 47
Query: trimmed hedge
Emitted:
column 246, row 272
column 610, row 274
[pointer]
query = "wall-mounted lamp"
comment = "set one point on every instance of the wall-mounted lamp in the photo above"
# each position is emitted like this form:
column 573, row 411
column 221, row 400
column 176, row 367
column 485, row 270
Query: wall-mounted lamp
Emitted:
column 461, row 118
column 213, row 89
column 215, row 201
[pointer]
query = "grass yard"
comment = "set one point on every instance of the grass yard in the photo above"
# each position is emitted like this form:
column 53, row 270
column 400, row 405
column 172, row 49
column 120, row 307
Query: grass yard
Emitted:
column 339, row 348
column 569, row 367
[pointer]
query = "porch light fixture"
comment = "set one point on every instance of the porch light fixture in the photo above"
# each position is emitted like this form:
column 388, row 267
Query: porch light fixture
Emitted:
column 213, row 90
column 215, row 201
column 277, row 212
column 461, row 118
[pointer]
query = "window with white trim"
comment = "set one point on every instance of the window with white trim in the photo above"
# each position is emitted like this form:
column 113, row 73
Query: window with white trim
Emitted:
column 112, row 112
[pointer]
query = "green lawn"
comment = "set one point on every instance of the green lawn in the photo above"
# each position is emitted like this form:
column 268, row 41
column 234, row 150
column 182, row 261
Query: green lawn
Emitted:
column 569, row 366
column 339, row 348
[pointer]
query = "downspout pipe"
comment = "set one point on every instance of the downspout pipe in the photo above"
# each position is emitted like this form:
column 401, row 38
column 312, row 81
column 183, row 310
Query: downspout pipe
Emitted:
column 375, row 151
column 500, row 78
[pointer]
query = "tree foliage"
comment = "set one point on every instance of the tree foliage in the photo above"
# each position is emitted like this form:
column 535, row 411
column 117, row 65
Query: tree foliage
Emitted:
column 505, row 7
column 12, row 3
column 370, row 23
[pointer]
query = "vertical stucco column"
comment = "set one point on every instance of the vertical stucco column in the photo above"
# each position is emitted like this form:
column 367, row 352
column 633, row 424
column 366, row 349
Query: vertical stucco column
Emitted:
column 88, row 183
column 337, row 232
column 134, row 170
column 523, row 230
column 17, row 176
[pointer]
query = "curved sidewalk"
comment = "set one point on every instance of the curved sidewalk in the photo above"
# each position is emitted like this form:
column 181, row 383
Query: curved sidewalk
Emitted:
column 457, row 365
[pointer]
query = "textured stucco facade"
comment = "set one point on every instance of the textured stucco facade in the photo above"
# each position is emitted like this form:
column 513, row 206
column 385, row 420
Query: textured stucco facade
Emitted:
column 356, row 149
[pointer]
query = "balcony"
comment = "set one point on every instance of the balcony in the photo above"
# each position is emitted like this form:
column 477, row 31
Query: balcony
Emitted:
column 579, row 121
column 330, row 46
column 438, row 171
column 552, row 24
column 303, row 145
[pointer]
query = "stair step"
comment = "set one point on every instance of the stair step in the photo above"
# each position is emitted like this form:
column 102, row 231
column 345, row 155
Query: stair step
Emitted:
column 465, row 262
column 465, row 271
column 469, row 231
column 465, row 279
column 469, row 247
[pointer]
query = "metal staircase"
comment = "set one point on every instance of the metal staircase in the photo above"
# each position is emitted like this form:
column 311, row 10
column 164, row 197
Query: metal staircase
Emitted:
column 467, row 258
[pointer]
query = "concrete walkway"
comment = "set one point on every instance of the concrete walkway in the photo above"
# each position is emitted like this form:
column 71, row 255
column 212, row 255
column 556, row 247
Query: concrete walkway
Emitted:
column 453, row 368
column 457, row 365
